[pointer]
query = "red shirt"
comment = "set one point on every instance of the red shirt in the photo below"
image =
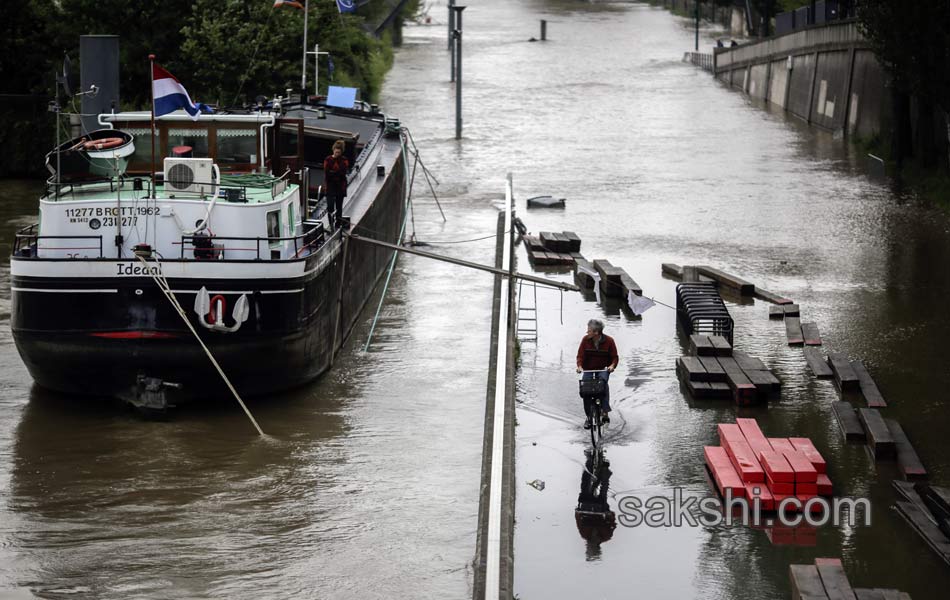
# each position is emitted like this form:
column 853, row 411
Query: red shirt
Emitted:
column 591, row 357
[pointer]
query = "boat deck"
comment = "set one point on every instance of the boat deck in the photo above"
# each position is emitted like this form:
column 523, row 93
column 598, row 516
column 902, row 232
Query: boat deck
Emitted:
column 247, row 188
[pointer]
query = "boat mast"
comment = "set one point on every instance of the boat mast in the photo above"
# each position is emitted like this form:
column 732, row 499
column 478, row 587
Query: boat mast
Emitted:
column 303, row 63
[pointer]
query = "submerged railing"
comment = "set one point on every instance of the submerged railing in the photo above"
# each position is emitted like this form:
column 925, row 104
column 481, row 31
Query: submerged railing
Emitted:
column 700, row 59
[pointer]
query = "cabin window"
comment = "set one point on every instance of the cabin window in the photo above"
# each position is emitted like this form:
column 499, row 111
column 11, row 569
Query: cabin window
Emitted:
column 187, row 143
column 290, row 220
column 142, row 138
column 273, row 226
column 237, row 146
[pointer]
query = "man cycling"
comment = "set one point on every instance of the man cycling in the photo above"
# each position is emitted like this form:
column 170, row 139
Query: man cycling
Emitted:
column 597, row 352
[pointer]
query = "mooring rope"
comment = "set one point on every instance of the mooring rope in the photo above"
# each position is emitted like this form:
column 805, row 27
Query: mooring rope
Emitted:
column 170, row 295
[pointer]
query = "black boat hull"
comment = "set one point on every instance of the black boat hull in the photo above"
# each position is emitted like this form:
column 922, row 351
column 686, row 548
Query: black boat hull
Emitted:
column 96, row 336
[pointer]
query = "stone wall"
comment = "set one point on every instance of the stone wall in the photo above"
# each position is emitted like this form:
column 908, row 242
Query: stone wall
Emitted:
column 825, row 75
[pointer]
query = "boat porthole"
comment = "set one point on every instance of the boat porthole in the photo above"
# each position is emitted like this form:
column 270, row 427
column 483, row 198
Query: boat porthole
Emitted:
column 138, row 292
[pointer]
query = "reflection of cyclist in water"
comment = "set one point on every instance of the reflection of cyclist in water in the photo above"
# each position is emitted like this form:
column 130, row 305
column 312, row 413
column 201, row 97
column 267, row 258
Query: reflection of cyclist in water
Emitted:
column 595, row 521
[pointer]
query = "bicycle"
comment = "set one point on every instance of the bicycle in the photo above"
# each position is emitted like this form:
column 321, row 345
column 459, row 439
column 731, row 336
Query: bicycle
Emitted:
column 594, row 390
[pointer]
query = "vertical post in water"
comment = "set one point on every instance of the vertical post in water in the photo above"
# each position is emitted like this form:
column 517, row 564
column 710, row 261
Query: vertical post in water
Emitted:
column 697, row 25
column 452, row 39
column 458, row 68
column 544, row 30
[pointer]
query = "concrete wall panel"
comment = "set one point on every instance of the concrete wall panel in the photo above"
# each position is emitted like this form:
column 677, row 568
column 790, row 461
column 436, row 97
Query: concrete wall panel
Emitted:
column 779, row 83
column 831, row 86
column 758, row 81
column 799, row 81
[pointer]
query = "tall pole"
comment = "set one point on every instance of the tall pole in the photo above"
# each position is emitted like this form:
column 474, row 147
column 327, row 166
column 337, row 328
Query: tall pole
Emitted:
column 697, row 25
column 316, row 69
column 458, row 67
column 452, row 39
column 151, row 81
column 303, row 70
column 451, row 22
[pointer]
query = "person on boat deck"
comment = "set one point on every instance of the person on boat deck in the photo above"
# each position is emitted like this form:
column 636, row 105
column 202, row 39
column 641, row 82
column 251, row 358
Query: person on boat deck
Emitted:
column 335, row 168
column 597, row 351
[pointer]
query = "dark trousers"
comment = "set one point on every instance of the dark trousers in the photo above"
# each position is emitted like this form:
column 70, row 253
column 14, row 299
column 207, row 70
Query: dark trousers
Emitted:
column 335, row 208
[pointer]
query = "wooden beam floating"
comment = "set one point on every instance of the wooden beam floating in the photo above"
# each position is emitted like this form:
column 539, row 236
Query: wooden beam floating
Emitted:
column 737, row 284
column 770, row 297
column 721, row 346
column 907, row 460
column 811, row 334
column 806, row 583
column 817, row 363
column 872, row 395
column 793, row 331
column 848, row 421
column 573, row 241
column 845, row 377
column 748, row 363
column 879, row 437
column 672, row 270
column 834, row 579
column 699, row 345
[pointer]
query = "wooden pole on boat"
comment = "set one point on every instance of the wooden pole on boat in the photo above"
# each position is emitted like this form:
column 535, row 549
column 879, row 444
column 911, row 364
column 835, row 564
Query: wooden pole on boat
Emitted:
column 151, row 80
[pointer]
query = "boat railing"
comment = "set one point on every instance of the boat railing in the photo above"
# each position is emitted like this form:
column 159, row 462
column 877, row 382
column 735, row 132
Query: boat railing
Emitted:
column 246, row 248
column 27, row 243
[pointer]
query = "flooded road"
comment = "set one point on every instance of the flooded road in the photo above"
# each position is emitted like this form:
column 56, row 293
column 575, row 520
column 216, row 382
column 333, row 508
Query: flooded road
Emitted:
column 367, row 486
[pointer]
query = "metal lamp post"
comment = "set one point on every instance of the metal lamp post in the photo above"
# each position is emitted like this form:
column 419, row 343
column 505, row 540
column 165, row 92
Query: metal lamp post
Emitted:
column 457, row 35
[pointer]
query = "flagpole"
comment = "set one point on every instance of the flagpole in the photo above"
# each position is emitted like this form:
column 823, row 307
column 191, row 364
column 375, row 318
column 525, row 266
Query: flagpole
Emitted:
column 303, row 74
column 151, row 85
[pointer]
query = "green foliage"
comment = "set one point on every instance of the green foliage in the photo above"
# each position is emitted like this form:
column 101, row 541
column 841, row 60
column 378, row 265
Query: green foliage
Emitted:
column 912, row 39
column 225, row 52
column 234, row 50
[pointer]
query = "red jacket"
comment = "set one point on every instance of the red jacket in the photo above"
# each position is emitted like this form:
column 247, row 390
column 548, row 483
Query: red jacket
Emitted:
column 334, row 174
column 591, row 357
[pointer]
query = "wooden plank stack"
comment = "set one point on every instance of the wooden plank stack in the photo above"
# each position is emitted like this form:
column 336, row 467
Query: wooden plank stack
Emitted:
column 798, row 333
column 714, row 370
column 826, row 580
column 926, row 509
column 552, row 248
column 750, row 465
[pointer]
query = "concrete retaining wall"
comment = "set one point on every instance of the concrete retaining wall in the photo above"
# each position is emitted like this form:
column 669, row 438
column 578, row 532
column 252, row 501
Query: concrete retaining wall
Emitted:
column 826, row 75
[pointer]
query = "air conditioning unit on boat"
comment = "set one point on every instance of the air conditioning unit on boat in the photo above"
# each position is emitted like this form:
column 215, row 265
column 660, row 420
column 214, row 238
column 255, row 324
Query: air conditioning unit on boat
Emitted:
column 190, row 176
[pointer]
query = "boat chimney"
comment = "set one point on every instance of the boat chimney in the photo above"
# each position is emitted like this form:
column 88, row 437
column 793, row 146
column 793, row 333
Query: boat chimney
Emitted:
column 99, row 67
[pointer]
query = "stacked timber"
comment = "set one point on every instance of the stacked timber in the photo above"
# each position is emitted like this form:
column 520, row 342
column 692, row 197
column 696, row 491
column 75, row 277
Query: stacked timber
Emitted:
column 797, row 332
column 736, row 284
column 926, row 509
column 714, row 370
column 826, row 580
column 749, row 465
column 885, row 438
column 551, row 248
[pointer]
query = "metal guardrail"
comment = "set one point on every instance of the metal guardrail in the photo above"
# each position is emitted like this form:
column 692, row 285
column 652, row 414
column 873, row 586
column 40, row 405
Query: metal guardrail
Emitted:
column 211, row 247
column 26, row 243
column 701, row 60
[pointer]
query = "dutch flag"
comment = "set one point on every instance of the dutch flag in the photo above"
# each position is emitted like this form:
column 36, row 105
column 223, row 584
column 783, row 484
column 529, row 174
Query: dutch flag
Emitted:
column 170, row 95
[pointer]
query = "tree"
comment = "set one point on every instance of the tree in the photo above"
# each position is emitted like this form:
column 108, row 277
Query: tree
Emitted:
column 912, row 41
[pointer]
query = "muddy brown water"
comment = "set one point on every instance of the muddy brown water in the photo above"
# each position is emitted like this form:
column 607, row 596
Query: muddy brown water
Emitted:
column 367, row 484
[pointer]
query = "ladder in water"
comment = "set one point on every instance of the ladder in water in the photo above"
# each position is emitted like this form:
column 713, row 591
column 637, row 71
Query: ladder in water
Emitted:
column 527, row 313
